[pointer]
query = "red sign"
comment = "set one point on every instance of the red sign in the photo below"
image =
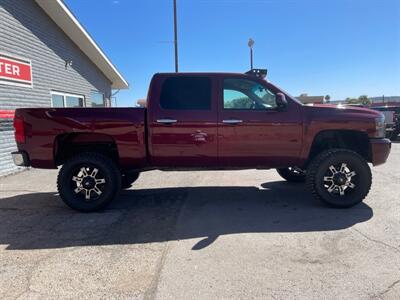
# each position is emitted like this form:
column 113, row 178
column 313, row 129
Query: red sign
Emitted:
column 7, row 114
column 15, row 71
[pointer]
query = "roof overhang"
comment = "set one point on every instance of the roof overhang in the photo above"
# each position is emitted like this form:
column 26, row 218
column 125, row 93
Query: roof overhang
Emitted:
column 63, row 17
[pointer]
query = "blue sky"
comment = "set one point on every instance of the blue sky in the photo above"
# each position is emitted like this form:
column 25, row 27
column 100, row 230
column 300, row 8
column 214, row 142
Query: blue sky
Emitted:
column 343, row 48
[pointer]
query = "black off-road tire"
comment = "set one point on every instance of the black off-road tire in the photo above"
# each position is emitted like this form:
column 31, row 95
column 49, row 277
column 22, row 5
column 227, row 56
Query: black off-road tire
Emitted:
column 128, row 179
column 319, row 167
column 109, row 189
column 291, row 176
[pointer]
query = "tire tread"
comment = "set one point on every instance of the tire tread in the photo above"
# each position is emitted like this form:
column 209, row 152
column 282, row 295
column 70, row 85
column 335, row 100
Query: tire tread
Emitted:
column 110, row 165
column 313, row 168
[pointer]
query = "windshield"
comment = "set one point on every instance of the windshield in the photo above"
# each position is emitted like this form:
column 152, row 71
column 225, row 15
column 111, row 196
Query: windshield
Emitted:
column 286, row 93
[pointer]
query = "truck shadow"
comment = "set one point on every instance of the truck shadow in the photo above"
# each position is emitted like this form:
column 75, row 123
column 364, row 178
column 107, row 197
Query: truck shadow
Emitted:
column 41, row 221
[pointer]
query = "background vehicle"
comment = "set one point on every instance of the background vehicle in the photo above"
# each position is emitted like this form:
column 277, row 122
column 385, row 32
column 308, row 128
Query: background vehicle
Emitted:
column 197, row 121
column 392, row 118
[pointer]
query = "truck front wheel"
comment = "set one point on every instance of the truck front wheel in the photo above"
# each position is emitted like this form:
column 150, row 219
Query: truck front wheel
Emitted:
column 339, row 177
column 88, row 182
column 292, row 174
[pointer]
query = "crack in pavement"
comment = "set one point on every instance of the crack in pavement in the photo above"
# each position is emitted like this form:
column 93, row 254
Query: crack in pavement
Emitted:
column 151, row 292
column 376, row 241
column 28, row 282
column 388, row 289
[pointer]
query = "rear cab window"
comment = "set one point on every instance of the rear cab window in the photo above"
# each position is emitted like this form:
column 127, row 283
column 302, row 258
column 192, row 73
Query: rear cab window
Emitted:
column 186, row 93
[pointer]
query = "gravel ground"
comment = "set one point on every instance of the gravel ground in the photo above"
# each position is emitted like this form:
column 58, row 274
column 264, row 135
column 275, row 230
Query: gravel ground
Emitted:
column 201, row 235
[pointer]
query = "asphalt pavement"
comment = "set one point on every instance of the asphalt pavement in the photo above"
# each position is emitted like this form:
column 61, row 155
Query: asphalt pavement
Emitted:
column 201, row 235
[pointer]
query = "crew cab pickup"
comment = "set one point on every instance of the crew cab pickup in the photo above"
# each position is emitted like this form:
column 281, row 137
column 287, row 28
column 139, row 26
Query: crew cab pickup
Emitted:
column 204, row 121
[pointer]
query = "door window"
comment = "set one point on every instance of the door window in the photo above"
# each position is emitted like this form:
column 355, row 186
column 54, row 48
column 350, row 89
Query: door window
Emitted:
column 186, row 93
column 246, row 94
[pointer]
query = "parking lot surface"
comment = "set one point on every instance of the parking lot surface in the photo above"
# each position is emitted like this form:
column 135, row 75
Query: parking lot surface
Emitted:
column 201, row 235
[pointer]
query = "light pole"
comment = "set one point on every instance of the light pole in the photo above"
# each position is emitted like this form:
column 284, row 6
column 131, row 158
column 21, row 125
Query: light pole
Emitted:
column 175, row 38
column 250, row 43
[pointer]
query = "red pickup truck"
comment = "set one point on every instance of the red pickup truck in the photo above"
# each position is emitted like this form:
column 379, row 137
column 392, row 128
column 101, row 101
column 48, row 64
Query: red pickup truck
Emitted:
column 204, row 121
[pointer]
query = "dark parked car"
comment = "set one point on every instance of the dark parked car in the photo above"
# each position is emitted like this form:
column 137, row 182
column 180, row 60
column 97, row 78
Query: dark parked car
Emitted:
column 203, row 121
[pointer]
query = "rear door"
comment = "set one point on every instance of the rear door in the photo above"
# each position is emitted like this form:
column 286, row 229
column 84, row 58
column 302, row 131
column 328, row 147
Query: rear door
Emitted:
column 183, row 121
column 253, row 132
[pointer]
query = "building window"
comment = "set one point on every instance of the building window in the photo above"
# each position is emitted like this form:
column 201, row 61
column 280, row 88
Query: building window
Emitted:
column 97, row 99
column 59, row 99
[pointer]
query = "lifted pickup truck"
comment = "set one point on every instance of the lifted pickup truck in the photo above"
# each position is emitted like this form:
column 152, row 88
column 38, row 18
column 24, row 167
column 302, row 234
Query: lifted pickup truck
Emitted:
column 204, row 121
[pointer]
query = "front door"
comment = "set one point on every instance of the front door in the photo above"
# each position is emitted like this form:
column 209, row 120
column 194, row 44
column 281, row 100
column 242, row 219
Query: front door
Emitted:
column 183, row 122
column 252, row 131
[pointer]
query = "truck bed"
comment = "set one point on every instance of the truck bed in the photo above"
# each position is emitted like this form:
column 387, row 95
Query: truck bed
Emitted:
column 47, row 128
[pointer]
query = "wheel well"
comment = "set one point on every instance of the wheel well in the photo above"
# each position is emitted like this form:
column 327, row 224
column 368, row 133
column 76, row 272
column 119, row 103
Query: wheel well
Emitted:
column 356, row 141
column 68, row 145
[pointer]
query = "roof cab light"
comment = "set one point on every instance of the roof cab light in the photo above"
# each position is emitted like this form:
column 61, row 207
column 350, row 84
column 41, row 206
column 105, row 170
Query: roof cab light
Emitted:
column 380, row 127
column 262, row 73
column 19, row 129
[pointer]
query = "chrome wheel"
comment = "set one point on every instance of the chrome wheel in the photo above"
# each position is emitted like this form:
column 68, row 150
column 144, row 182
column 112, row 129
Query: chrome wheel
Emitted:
column 88, row 182
column 339, row 179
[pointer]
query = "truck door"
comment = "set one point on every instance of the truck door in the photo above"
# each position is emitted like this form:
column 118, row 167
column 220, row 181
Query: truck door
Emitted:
column 183, row 122
column 252, row 131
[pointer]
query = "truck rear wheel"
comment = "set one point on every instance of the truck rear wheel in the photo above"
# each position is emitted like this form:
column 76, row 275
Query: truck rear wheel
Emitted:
column 128, row 179
column 339, row 178
column 292, row 174
column 88, row 182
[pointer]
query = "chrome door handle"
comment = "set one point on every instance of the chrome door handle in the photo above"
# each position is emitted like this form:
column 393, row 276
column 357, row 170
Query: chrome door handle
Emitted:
column 232, row 121
column 166, row 121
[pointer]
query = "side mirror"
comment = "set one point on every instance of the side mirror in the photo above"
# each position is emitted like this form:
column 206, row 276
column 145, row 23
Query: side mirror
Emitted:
column 281, row 101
